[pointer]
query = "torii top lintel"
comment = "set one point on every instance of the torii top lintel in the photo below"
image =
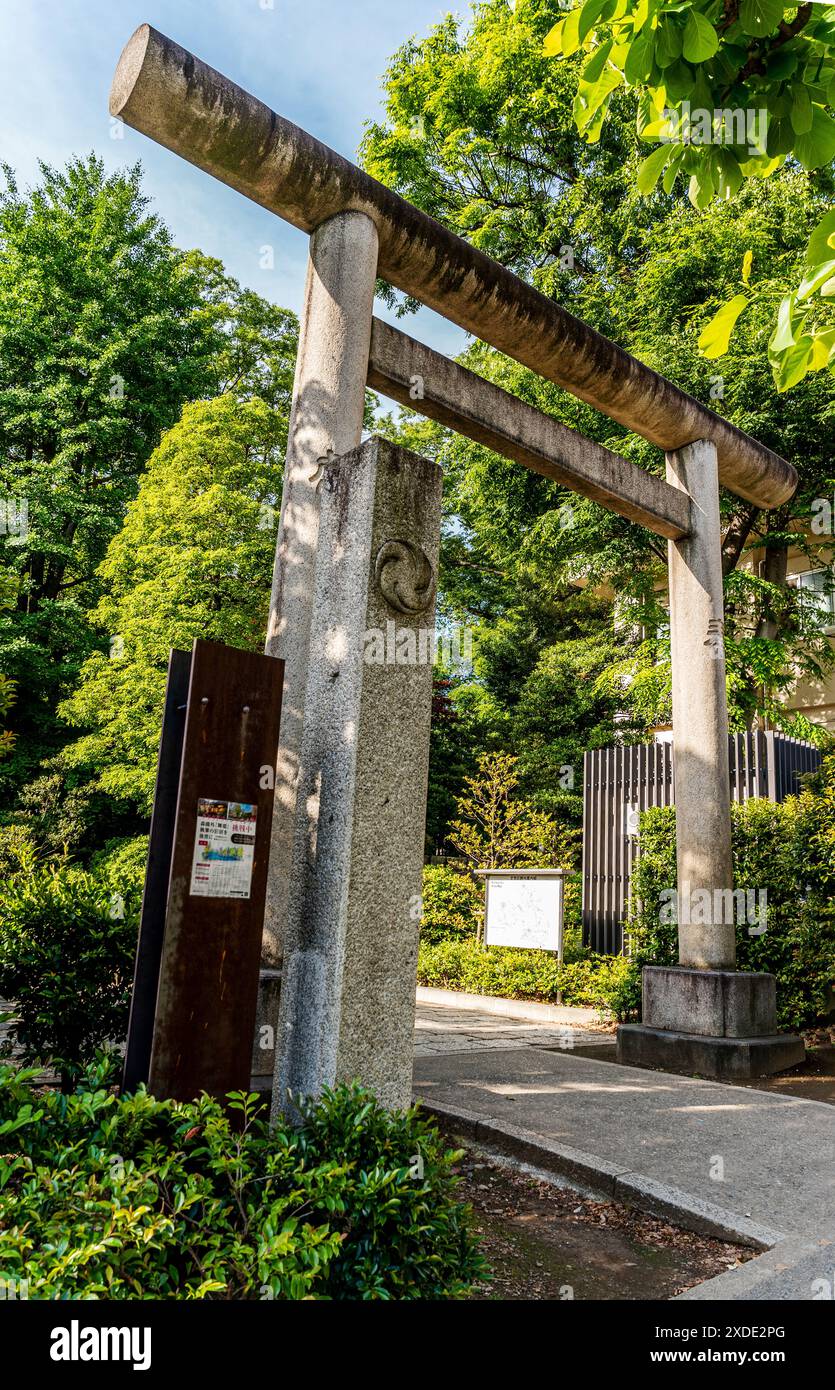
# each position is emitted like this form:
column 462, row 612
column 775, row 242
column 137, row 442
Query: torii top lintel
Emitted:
column 166, row 93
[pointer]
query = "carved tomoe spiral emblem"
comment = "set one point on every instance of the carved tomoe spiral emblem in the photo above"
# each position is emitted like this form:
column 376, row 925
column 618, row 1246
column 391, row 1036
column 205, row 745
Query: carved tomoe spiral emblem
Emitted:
column 405, row 576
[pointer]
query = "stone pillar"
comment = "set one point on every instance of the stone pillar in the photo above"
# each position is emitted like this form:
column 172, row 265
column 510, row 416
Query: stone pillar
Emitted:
column 326, row 420
column 700, row 713
column 703, row 1016
column 350, row 943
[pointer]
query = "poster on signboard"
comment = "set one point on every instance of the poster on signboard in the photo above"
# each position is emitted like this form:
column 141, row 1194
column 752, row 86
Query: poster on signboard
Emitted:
column 524, row 912
column 224, row 849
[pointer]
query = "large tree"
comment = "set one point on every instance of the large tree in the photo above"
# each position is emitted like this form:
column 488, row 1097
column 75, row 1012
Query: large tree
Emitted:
column 106, row 329
column 193, row 559
column 733, row 90
column 479, row 130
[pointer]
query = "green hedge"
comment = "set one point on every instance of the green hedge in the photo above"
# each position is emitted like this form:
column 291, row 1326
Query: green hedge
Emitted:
column 786, row 852
column 515, row 974
column 453, row 904
column 124, row 1198
column 67, row 946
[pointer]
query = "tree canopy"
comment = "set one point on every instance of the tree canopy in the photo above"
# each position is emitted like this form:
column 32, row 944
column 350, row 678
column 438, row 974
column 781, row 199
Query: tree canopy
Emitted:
column 479, row 129
column 106, row 330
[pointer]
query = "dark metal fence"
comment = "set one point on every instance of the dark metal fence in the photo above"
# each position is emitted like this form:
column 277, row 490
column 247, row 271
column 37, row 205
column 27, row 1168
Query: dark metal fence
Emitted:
column 620, row 782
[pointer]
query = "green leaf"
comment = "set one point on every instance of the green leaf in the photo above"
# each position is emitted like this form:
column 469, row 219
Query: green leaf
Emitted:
column 781, row 137
column 595, row 64
column 589, row 15
column 801, row 110
column 703, row 183
column 680, row 81
column 792, row 365
column 781, row 65
column 822, row 240
column 668, row 40
column 747, row 261
column 591, row 132
column 672, row 170
column 570, row 33
column 783, row 336
column 817, row 146
column 700, row 38
column 651, row 168
column 591, row 98
column 816, row 280
column 552, row 44
column 730, row 177
column 639, row 60
column 823, row 346
column 760, row 17
column 715, row 337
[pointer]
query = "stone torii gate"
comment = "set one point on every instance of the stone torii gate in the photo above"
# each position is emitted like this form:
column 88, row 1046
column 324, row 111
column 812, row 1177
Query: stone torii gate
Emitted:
column 358, row 542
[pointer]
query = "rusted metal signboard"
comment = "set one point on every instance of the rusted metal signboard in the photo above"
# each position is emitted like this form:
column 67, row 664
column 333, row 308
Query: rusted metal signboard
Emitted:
column 196, row 981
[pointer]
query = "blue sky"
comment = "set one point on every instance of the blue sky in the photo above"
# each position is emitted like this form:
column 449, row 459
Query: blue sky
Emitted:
column 318, row 62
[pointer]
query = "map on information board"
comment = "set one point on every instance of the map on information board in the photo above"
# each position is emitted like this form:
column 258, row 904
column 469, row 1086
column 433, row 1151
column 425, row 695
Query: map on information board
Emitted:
column 524, row 912
column 224, row 849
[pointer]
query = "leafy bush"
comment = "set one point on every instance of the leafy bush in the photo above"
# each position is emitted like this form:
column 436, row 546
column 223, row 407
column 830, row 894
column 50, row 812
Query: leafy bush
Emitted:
column 131, row 1197
column 67, row 943
column 18, row 851
column 785, row 852
column 498, row 828
column 121, row 864
column 520, row 974
column 453, row 905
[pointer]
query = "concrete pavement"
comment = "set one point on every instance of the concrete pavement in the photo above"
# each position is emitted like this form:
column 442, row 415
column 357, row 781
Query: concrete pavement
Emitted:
column 725, row 1160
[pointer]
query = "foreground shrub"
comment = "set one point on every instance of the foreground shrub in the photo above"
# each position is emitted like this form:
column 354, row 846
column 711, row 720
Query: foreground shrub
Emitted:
column 67, row 943
column 590, row 981
column 785, row 852
column 108, row 1197
column 121, row 865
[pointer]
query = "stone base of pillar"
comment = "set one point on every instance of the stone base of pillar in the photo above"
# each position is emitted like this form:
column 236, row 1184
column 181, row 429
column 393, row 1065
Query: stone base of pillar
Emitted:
column 266, row 1024
column 718, row 1023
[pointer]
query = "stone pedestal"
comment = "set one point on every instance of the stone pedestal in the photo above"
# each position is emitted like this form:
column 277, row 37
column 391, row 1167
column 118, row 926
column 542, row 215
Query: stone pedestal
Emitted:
column 266, row 1026
column 350, row 940
column 718, row 1023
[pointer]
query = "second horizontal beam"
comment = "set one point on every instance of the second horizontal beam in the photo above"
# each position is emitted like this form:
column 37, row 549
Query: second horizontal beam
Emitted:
column 423, row 380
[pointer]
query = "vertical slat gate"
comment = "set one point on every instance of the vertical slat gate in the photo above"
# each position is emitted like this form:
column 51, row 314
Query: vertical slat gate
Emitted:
column 642, row 775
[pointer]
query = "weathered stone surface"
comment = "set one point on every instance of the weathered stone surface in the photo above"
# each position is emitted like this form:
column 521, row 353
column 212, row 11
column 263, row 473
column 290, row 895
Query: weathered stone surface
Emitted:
column 700, row 710
column 350, row 947
column 326, row 420
column 721, row 1059
column 164, row 91
column 724, row 1003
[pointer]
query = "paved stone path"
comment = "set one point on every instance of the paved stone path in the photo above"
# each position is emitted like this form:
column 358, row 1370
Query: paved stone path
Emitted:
column 443, row 1029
